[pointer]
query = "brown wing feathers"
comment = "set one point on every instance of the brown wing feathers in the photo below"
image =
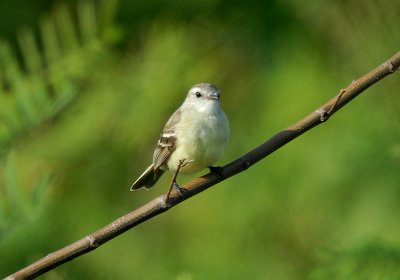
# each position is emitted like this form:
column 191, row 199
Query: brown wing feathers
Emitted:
column 165, row 146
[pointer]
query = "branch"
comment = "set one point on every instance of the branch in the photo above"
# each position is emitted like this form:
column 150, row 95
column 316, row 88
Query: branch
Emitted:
column 160, row 205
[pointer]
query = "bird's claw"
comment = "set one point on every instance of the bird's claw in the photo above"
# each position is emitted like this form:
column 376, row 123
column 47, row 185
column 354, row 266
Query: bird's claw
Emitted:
column 179, row 189
column 174, row 184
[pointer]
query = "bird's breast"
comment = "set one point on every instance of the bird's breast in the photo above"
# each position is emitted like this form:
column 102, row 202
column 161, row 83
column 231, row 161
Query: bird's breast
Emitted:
column 201, row 138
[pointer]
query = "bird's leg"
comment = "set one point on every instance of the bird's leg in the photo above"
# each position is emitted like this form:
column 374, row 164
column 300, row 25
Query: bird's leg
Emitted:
column 174, row 184
column 218, row 170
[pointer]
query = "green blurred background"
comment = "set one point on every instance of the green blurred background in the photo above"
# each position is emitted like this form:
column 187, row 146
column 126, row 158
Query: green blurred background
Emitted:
column 86, row 87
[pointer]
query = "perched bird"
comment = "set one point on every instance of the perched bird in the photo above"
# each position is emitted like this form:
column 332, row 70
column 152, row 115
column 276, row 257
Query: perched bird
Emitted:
column 194, row 137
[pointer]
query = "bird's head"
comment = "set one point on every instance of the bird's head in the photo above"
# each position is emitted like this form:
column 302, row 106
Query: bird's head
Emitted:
column 203, row 93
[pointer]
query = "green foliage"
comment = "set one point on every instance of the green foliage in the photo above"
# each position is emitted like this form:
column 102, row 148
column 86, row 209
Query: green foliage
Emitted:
column 38, row 85
column 370, row 261
column 84, row 96
column 48, row 79
column 19, row 204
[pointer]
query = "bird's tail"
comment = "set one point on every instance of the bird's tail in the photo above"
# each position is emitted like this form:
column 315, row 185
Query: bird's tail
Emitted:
column 148, row 178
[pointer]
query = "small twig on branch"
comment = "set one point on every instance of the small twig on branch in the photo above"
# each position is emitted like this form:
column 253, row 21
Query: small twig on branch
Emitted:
column 161, row 204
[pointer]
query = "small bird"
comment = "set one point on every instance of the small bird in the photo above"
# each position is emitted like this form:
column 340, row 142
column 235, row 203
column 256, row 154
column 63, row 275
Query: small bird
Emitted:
column 193, row 138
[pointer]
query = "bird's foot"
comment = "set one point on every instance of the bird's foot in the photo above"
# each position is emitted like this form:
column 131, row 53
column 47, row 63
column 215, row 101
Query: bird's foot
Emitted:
column 179, row 189
column 217, row 170
column 174, row 184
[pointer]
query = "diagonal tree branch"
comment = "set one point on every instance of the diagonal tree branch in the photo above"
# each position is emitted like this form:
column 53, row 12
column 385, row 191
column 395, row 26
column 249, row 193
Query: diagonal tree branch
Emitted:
column 160, row 205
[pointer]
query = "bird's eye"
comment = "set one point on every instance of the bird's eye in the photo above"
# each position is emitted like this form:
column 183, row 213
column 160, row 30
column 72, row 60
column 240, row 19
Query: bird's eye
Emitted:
column 198, row 94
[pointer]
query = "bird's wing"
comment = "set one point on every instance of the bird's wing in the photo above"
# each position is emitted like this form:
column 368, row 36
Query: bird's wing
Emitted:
column 167, row 142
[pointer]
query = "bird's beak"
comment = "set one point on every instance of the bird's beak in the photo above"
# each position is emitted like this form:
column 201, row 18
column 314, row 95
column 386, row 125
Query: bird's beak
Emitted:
column 213, row 96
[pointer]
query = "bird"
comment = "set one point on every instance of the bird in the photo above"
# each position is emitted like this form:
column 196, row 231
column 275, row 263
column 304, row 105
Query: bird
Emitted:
column 194, row 138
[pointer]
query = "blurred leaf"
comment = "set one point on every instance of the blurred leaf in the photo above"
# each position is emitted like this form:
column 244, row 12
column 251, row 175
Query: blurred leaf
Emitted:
column 36, row 89
column 16, row 196
column 373, row 260
column 20, row 201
